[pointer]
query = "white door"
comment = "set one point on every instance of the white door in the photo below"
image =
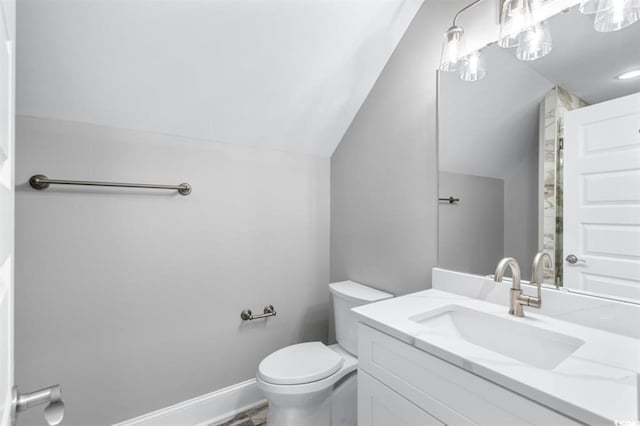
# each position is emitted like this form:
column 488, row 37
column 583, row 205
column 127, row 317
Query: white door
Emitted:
column 12, row 403
column 602, row 198
column 7, row 190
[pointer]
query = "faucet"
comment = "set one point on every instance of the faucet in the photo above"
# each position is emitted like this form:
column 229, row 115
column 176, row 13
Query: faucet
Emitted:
column 537, row 273
column 517, row 300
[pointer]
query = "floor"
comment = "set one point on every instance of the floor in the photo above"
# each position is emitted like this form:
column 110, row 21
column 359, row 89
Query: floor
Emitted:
column 254, row 417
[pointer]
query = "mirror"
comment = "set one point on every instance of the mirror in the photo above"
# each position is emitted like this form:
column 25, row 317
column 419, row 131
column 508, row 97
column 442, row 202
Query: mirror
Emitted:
column 501, row 145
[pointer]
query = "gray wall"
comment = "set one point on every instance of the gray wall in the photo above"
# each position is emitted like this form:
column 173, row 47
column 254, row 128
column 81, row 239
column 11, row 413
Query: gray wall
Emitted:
column 131, row 299
column 472, row 230
column 384, row 173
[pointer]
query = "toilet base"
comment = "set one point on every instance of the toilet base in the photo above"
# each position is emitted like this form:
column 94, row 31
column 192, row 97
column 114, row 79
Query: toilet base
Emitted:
column 344, row 402
column 335, row 406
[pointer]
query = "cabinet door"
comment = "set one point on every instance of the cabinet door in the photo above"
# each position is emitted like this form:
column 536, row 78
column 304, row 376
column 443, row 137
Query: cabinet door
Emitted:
column 380, row 406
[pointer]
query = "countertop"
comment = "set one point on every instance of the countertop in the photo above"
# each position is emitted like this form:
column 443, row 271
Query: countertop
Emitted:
column 598, row 383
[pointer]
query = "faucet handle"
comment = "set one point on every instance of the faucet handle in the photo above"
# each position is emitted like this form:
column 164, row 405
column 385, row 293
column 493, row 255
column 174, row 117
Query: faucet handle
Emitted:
column 533, row 301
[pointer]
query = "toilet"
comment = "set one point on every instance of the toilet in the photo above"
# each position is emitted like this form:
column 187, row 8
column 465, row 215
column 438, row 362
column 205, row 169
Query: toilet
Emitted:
column 314, row 384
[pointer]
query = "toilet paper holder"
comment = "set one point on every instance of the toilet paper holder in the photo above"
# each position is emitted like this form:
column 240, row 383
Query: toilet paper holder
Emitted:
column 247, row 315
column 52, row 396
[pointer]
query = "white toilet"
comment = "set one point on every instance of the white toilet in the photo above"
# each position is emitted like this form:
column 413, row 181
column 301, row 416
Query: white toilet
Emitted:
column 313, row 384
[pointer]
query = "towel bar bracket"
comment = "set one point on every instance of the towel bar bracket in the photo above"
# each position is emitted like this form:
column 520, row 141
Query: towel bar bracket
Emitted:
column 39, row 182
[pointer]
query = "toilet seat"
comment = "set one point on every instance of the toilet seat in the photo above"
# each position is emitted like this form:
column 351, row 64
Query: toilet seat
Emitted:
column 299, row 364
column 349, row 365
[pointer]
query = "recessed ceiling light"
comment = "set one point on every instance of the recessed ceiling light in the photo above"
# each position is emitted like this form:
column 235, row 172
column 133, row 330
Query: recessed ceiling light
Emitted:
column 628, row 75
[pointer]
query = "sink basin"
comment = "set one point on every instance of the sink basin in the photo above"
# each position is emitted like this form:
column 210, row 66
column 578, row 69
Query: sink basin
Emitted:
column 510, row 337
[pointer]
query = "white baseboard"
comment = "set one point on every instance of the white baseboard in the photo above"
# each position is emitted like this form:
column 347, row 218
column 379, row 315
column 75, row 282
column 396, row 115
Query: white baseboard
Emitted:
column 204, row 410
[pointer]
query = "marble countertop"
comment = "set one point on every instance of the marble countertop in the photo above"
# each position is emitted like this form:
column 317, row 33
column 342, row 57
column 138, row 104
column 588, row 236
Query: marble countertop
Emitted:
column 598, row 383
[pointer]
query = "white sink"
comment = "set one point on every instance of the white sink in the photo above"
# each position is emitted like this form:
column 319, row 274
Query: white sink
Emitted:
column 511, row 337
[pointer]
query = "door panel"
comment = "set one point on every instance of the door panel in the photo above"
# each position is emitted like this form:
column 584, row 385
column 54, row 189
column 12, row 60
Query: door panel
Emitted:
column 602, row 198
column 7, row 157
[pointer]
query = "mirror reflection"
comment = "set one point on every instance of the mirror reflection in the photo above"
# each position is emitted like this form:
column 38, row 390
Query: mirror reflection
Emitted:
column 502, row 154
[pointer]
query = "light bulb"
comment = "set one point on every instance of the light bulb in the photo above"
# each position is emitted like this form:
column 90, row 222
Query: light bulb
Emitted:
column 472, row 67
column 516, row 17
column 454, row 49
column 535, row 42
column 615, row 15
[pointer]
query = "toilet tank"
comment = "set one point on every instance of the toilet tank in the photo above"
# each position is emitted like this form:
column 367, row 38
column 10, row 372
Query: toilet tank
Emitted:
column 347, row 295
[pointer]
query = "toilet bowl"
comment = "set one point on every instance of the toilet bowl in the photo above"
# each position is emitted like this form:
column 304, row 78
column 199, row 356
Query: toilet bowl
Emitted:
column 314, row 384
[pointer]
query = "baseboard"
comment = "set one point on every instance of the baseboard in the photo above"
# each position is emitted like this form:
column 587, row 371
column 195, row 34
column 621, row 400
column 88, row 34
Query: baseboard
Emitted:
column 204, row 410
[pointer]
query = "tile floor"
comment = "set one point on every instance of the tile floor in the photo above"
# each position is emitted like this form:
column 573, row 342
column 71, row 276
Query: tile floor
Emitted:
column 254, row 417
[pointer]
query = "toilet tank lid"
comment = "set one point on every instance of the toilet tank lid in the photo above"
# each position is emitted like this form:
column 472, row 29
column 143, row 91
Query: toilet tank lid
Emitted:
column 358, row 292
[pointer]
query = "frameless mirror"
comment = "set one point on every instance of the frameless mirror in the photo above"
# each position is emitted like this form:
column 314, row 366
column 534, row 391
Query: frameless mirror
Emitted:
column 501, row 148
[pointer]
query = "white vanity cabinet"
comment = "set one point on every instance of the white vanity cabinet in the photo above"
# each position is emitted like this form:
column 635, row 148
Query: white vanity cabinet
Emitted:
column 380, row 406
column 399, row 384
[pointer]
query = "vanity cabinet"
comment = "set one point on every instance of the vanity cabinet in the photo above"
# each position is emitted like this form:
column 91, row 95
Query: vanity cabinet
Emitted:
column 400, row 384
column 380, row 406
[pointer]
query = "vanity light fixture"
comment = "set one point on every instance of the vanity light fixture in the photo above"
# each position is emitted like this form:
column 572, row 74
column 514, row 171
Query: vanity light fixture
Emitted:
column 519, row 29
column 615, row 15
column 516, row 17
column 534, row 42
column 611, row 15
column 628, row 75
column 454, row 48
column 472, row 67
column 589, row 7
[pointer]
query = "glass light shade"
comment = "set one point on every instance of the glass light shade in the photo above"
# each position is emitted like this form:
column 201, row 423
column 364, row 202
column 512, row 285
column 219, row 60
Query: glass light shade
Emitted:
column 535, row 42
column 473, row 67
column 589, row 7
column 516, row 17
column 454, row 49
column 616, row 15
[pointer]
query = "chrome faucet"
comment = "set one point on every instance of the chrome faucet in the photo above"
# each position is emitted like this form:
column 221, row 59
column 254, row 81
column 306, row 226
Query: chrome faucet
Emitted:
column 517, row 300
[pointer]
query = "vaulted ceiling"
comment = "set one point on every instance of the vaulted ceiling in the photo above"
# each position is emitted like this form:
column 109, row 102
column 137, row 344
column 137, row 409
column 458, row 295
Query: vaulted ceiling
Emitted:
column 586, row 62
column 279, row 74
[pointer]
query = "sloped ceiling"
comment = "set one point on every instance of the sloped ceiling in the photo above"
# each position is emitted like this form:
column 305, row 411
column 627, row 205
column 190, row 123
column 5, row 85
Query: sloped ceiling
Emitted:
column 586, row 62
column 279, row 74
